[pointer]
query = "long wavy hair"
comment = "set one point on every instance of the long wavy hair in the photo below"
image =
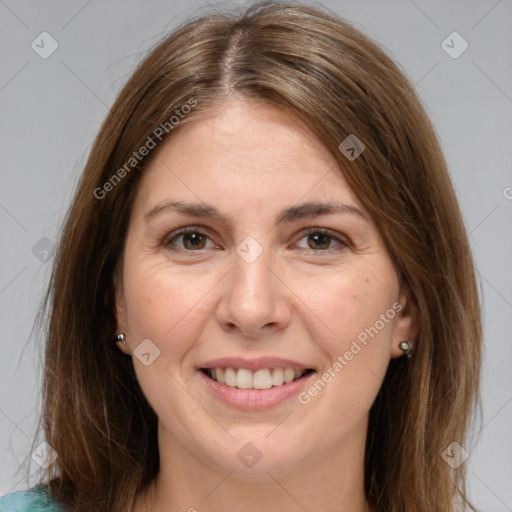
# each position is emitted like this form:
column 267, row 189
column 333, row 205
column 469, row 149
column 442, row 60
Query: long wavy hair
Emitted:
column 319, row 67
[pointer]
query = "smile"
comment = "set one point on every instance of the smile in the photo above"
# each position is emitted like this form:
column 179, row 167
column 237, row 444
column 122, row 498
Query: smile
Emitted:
column 265, row 378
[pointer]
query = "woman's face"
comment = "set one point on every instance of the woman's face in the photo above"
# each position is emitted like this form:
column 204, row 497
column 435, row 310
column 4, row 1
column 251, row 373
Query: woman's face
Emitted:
column 265, row 280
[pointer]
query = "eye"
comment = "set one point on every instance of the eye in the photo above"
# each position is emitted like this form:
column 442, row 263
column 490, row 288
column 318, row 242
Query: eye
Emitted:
column 193, row 239
column 319, row 240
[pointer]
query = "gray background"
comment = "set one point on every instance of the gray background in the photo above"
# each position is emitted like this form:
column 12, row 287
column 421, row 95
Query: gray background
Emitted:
column 51, row 109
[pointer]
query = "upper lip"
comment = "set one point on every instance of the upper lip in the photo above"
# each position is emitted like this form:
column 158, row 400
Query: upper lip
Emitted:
column 254, row 364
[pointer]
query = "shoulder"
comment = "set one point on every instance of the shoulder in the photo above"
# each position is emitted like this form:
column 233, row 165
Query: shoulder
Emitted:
column 32, row 500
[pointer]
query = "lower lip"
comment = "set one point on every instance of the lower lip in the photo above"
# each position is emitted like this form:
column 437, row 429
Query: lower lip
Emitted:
column 255, row 399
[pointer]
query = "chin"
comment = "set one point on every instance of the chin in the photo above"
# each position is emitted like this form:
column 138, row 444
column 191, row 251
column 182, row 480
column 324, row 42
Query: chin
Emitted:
column 258, row 460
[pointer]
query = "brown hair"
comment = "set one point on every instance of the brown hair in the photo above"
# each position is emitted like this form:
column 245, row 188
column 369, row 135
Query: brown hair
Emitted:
column 339, row 82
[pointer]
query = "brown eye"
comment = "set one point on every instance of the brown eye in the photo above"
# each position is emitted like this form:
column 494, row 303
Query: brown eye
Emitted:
column 192, row 240
column 320, row 240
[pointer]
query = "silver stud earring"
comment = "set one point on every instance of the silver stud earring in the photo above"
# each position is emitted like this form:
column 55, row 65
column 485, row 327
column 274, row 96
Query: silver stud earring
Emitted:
column 406, row 347
column 121, row 338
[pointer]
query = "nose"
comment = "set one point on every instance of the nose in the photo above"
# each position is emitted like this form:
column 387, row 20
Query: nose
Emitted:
column 255, row 300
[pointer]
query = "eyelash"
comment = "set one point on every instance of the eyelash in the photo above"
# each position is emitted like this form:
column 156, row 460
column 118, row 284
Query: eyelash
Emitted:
column 343, row 244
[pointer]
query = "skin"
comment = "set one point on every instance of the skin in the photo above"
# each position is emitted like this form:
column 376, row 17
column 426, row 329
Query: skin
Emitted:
column 251, row 160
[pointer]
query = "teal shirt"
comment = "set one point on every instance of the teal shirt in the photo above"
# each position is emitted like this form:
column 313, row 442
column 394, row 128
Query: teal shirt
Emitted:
column 33, row 500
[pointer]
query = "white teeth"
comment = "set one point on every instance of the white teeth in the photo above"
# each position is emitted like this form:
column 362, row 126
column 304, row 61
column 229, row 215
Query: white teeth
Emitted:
column 220, row 375
column 265, row 378
column 261, row 379
column 244, row 379
column 277, row 377
column 289, row 375
column 230, row 377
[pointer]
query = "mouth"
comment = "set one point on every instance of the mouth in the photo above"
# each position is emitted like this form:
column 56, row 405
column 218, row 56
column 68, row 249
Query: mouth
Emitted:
column 251, row 384
column 261, row 379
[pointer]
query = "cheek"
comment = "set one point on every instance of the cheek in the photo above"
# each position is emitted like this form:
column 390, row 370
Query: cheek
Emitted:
column 357, row 352
column 161, row 299
column 162, row 306
column 355, row 306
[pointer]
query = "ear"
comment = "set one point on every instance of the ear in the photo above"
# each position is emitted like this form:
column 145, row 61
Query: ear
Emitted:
column 407, row 323
column 120, row 311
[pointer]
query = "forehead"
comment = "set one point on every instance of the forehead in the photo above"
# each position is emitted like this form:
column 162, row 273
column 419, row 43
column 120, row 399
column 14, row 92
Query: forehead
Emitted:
column 245, row 151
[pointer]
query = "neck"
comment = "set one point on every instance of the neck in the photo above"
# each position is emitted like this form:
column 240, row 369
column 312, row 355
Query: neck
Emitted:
column 331, row 482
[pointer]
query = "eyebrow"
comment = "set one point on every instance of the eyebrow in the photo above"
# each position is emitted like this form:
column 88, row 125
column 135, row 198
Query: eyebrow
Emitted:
column 301, row 211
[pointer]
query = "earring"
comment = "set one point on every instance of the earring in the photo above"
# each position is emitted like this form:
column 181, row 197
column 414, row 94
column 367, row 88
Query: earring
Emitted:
column 120, row 337
column 406, row 347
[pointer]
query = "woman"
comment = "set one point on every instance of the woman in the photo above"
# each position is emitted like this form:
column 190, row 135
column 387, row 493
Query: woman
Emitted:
column 264, row 296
